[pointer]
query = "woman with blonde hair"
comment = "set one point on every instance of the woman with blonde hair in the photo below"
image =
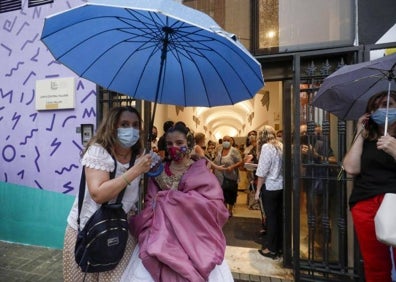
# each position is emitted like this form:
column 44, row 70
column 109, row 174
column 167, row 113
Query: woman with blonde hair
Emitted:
column 270, row 188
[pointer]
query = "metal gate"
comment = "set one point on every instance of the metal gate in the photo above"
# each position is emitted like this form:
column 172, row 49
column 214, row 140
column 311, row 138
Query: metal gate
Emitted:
column 322, row 249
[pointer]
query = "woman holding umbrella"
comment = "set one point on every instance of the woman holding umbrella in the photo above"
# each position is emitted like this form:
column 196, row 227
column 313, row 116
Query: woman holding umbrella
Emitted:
column 372, row 161
column 114, row 147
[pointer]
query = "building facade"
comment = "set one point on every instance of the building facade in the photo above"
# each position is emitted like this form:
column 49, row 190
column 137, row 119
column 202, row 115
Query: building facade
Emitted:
column 298, row 45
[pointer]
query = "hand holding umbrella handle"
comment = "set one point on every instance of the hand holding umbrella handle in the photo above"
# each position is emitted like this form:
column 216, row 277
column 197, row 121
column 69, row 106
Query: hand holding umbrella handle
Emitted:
column 156, row 170
column 156, row 165
column 387, row 143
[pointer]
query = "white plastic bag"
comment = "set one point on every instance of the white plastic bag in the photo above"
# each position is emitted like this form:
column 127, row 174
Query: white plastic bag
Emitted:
column 385, row 220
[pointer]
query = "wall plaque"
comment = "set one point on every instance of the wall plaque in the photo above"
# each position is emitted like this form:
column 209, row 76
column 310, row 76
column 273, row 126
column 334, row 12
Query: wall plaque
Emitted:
column 55, row 94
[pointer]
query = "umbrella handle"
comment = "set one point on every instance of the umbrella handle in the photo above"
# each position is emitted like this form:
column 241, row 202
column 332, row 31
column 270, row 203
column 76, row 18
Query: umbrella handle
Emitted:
column 156, row 170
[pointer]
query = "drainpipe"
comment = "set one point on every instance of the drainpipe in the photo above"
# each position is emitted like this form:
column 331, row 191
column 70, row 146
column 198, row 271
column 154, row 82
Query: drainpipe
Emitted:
column 356, row 41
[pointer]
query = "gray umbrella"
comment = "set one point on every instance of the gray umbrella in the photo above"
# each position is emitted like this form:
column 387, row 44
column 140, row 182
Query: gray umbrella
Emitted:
column 345, row 92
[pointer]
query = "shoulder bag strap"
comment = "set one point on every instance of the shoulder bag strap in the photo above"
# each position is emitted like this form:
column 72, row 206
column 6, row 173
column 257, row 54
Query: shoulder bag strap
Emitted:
column 81, row 195
column 81, row 192
column 112, row 175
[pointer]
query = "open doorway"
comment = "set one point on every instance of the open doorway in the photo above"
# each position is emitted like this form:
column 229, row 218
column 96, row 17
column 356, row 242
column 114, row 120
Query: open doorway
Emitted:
column 246, row 228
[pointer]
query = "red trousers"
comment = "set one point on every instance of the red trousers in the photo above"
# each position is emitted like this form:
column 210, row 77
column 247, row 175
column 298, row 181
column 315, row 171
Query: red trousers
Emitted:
column 376, row 255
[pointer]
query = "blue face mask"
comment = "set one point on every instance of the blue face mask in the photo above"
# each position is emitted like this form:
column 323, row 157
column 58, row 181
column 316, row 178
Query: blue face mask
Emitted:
column 226, row 144
column 127, row 136
column 380, row 114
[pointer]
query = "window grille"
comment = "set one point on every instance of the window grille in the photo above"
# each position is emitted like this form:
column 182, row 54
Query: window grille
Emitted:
column 14, row 5
column 10, row 5
column 33, row 3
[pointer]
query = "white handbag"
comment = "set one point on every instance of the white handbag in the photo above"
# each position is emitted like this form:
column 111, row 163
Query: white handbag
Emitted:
column 385, row 220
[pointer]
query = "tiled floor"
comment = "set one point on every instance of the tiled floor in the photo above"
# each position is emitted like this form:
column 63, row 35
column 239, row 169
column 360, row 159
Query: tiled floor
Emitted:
column 247, row 260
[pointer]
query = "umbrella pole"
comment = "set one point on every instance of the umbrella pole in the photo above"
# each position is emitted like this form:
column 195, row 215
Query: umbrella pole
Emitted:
column 387, row 104
column 164, row 51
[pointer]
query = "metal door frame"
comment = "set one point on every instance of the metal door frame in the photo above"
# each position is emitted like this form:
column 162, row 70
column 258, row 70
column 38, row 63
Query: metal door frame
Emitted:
column 349, row 267
column 314, row 267
column 289, row 68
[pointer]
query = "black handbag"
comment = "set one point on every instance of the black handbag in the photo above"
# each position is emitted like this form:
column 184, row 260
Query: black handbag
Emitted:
column 101, row 243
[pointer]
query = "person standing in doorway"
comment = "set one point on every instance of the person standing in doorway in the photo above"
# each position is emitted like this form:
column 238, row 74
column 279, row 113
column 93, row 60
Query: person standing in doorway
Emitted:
column 210, row 152
column 229, row 157
column 162, row 142
column 270, row 188
column 199, row 151
column 316, row 184
column 200, row 145
column 279, row 135
column 250, row 155
column 372, row 161
column 154, row 140
column 250, row 152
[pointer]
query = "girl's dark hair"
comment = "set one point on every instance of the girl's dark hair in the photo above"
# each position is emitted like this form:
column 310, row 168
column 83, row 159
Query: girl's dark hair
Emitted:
column 167, row 124
column 182, row 128
column 106, row 135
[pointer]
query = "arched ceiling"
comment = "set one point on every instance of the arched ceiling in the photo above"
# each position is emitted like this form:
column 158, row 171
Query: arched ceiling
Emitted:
column 225, row 120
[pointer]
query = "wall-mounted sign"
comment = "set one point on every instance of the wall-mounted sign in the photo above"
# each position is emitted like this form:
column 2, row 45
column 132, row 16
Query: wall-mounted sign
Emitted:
column 55, row 94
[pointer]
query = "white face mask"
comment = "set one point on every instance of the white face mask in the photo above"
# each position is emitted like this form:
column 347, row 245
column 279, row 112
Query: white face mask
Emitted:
column 127, row 136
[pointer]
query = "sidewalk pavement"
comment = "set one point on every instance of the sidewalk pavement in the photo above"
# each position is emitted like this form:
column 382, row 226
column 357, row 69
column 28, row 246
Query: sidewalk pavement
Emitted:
column 30, row 263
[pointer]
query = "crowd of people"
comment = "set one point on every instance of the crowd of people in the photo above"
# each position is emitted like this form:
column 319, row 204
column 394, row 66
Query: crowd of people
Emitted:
column 177, row 236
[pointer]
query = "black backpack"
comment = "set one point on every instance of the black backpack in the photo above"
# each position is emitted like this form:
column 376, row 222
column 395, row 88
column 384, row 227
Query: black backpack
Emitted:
column 101, row 243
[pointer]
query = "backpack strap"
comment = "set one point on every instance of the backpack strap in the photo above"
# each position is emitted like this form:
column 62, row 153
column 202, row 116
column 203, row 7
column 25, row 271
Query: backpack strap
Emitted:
column 112, row 175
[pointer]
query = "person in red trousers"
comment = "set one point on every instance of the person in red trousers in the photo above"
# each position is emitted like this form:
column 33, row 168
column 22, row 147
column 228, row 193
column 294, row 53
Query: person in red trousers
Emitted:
column 372, row 161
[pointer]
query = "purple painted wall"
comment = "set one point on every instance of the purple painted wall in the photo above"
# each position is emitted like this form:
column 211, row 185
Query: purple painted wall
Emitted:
column 38, row 149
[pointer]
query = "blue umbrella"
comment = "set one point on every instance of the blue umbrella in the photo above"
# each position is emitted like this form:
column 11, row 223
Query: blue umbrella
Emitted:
column 154, row 50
